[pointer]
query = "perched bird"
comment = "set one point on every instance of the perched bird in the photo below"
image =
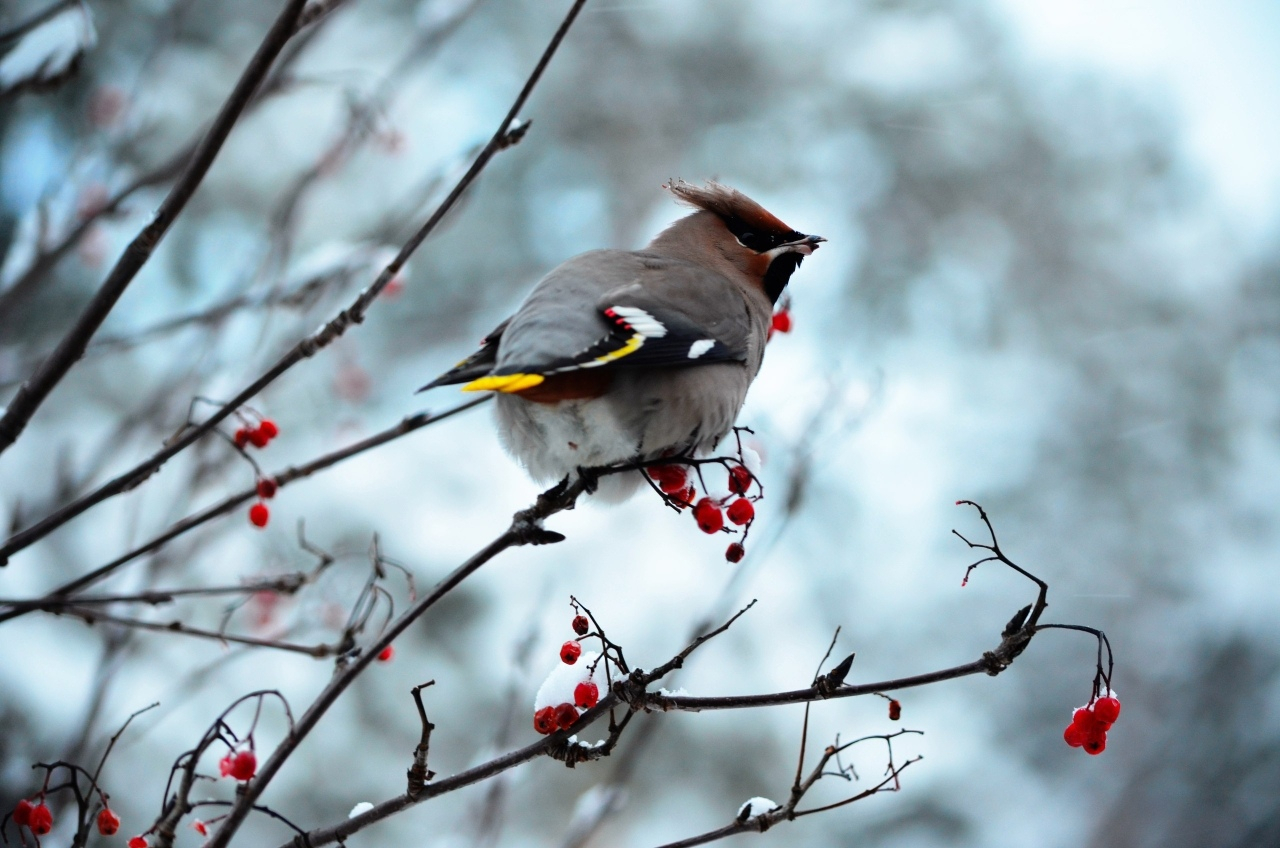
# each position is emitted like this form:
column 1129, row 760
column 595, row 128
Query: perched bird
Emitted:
column 626, row 355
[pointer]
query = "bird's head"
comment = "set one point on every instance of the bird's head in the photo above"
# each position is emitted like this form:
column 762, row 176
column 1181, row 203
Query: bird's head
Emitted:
column 745, row 233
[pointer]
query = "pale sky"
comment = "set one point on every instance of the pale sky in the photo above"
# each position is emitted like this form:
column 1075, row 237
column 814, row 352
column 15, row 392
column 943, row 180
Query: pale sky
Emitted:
column 1219, row 62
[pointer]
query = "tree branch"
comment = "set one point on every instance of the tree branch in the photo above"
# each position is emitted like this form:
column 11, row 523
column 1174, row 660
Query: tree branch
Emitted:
column 33, row 392
column 283, row 478
column 509, row 132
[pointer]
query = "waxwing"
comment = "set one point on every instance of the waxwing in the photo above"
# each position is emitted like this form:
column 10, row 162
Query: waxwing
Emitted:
column 626, row 355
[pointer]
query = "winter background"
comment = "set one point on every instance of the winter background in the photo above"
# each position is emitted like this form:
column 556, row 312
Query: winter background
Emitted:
column 1052, row 286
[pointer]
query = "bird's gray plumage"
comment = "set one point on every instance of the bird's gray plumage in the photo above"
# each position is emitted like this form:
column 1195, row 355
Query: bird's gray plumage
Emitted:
column 676, row 332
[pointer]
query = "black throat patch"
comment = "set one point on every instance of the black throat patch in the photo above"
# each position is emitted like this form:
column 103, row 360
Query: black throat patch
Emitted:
column 779, row 274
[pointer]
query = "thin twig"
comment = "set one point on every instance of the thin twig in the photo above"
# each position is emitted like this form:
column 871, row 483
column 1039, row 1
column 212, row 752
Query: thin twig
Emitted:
column 509, row 132
column 33, row 392
column 282, row 478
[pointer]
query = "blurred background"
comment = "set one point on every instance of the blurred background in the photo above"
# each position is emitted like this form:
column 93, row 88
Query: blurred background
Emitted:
column 1052, row 286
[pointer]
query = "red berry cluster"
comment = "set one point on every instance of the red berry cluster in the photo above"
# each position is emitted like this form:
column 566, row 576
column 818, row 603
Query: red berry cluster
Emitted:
column 37, row 817
column 586, row 694
column 1089, row 724
column 258, row 435
column 709, row 512
column 240, row 766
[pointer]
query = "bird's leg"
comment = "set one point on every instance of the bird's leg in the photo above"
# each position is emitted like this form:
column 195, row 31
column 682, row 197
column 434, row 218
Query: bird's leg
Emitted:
column 590, row 478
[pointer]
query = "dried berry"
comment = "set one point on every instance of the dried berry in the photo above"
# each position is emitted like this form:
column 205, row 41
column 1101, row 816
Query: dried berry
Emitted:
column 544, row 720
column 735, row 552
column 581, row 625
column 267, row 488
column 570, row 651
column 586, row 694
column 895, row 710
column 108, row 822
column 41, row 821
column 566, row 716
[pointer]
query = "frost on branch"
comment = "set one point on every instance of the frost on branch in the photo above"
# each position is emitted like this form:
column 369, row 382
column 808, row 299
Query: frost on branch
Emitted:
column 50, row 52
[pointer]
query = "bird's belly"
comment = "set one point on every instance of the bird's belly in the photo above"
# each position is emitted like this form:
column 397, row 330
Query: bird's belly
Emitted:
column 553, row 439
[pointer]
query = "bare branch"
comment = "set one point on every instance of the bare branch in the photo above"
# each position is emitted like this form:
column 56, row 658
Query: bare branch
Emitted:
column 509, row 132
column 33, row 392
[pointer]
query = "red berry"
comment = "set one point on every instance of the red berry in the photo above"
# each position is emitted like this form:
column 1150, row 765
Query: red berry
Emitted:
column 586, row 694
column 224, row 764
column 1107, row 709
column 569, row 652
column 199, row 827
column 670, row 478
column 685, row 498
column 241, row 438
column 137, row 842
column 782, row 321
column 22, row 813
column 386, row 654
column 267, row 488
column 108, row 822
column 244, row 766
column 1074, row 736
column 1084, row 719
column 739, row 480
column 258, row 438
column 544, row 720
column 1095, row 743
column 709, row 517
column 741, row 511
column 895, row 710
column 268, row 428
column 581, row 625
column 41, row 821
column 566, row 716
column 735, row 552
column 258, row 515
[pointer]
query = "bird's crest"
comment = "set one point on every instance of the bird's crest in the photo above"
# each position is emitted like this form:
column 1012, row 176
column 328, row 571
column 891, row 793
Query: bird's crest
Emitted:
column 729, row 203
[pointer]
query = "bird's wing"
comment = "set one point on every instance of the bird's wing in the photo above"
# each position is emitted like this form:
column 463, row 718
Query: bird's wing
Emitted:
column 474, row 366
column 659, row 312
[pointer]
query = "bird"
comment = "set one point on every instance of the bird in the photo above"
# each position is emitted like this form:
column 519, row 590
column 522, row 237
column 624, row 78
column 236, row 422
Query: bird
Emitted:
column 629, row 356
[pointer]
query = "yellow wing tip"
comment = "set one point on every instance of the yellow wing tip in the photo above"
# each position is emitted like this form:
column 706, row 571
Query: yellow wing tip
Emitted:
column 504, row 383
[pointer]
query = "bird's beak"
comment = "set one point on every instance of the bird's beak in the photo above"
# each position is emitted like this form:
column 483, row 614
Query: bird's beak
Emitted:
column 805, row 245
